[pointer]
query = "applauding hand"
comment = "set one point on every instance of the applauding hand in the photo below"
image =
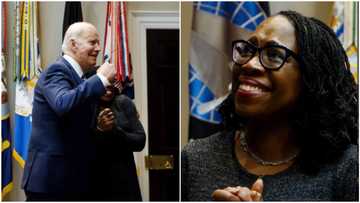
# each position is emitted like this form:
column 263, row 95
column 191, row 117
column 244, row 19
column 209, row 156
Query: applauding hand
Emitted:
column 105, row 120
column 240, row 193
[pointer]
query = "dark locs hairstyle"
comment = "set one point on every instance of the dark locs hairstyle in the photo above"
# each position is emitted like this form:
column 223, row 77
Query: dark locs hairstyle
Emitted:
column 326, row 117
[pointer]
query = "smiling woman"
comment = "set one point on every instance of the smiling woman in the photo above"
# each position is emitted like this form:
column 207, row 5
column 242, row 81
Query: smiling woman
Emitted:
column 291, row 126
column 268, row 84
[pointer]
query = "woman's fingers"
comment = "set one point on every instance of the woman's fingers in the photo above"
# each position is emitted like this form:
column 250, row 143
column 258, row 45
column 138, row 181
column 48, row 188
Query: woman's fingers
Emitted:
column 244, row 194
column 224, row 195
column 256, row 196
column 258, row 185
column 240, row 193
column 107, row 125
column 233, row 190
column 101, row 113
column 109, row 117
column 105, row 113
column 257, row 189
column 106, row 119
column 109, row 121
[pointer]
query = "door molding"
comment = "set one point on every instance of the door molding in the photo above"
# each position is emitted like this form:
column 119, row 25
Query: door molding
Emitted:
column 140, row 21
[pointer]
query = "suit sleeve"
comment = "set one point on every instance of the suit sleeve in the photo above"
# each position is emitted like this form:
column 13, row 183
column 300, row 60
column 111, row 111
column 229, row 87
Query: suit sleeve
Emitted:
column 62, row 96
column 128, row 126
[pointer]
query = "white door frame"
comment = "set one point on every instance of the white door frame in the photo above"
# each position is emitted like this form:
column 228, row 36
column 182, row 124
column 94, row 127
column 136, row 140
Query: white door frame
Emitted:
column 140, row 21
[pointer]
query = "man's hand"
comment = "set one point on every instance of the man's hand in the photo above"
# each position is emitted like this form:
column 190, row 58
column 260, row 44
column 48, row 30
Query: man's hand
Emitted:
column 118, row 86
column 107, row 70
column 105, row 120
column 240, row 193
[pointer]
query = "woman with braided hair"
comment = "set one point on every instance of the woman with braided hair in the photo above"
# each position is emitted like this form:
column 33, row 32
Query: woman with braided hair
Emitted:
column 290, row 122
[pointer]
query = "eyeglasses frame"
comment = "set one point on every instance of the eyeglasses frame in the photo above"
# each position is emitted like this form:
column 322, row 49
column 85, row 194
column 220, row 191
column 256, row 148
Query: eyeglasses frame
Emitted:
column 288, row 53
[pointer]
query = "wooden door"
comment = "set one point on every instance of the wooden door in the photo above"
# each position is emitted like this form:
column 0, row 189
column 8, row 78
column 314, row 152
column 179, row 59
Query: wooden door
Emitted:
column 163, row 110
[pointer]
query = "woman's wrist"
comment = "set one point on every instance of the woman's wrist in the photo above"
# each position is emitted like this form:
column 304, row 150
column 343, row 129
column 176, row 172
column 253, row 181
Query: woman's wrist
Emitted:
column 100, row 129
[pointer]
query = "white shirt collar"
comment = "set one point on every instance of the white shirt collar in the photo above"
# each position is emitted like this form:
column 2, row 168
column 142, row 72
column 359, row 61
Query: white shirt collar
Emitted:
column 74, row 64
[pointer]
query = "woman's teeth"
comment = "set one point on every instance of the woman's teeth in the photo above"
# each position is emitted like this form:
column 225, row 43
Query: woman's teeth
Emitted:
column 250, row 88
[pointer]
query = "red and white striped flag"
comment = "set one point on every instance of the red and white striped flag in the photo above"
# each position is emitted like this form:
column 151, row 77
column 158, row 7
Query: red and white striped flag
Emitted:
column 116, row 47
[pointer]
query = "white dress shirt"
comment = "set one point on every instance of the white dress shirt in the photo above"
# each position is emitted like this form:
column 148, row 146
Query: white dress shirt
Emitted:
column 75, row 65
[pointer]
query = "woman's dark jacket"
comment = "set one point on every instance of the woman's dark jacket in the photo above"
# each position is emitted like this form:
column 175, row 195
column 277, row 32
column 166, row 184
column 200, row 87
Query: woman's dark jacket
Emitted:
column 114, row 170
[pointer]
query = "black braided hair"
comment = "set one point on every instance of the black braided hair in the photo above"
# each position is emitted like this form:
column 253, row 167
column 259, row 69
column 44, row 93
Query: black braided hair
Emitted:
column 326, row 118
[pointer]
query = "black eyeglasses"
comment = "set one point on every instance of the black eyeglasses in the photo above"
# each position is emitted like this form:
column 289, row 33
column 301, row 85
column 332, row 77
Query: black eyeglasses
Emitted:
column 271, row 57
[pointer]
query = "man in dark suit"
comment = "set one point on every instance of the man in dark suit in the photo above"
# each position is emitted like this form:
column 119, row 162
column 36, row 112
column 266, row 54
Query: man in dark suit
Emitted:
column 60, row 149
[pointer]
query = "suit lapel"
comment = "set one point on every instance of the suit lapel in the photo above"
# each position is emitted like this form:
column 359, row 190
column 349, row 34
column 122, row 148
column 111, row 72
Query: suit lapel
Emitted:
column 74, row 75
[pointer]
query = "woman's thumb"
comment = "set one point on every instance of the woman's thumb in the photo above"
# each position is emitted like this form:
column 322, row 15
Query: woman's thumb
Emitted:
column 258, row 185
column 257, row 189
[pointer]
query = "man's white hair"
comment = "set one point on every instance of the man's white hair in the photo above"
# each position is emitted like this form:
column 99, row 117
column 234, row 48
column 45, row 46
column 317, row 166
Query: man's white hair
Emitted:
column 75, row 31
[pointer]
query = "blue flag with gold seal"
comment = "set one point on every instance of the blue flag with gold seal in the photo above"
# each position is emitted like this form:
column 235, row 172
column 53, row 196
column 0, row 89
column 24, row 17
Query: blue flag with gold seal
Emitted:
column 27, row 68
column 6, row 148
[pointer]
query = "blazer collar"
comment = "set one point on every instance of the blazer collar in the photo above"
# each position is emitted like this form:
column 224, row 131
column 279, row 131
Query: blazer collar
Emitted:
column 75, row 75
column 74, row 64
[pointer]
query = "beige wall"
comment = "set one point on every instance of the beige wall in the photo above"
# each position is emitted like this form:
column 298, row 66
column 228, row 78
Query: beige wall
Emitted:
column 320, row 10
column 51, row 18
column 93, row 12
column 186, row 17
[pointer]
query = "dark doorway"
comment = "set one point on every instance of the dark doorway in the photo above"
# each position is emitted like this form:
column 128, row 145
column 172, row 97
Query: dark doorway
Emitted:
column 163, row 108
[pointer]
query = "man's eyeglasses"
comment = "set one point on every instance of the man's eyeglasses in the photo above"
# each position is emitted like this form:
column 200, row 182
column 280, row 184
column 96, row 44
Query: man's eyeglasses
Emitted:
column 271, row 57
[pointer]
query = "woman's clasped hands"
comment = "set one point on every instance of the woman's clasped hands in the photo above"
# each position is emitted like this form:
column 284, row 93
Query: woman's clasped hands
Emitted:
column 240, row 193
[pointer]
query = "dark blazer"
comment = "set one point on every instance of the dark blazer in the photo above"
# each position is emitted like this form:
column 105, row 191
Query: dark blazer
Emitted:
column 60, row 147
column 114, row 174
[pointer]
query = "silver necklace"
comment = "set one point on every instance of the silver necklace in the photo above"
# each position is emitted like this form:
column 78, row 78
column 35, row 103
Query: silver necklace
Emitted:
column 259, row 160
